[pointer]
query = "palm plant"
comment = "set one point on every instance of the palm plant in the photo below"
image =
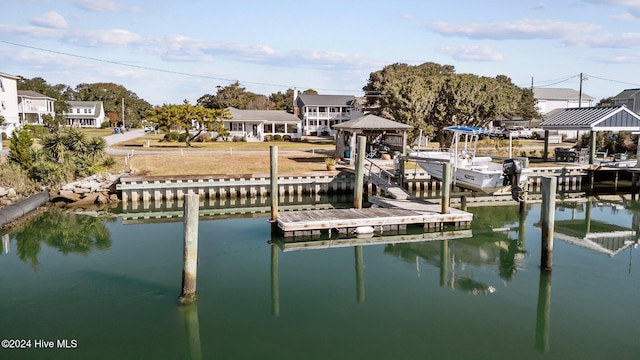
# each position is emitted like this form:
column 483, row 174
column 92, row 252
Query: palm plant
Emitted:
column 55, row 147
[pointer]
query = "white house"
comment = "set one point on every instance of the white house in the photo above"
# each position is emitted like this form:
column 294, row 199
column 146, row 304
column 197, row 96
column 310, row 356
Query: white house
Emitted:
column 32, row 105
column 319, row 113
column 549, row 99
column 254, row 125
column 9, row 104
column 85, row 114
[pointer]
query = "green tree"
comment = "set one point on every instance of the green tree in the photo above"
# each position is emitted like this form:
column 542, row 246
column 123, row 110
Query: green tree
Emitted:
column 235, row 96
column 112, row 96
column 189, row 117
column 432, row 96
column 20, row 149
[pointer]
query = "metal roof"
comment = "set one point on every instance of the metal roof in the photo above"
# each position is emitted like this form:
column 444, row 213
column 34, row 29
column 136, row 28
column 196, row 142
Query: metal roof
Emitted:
column 598, row 118
column 326, row 100
column 626, row 94
column 280, row 116
column 372, row 122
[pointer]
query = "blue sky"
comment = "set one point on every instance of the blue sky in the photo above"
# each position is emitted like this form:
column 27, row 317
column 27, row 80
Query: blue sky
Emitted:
column 168, row 51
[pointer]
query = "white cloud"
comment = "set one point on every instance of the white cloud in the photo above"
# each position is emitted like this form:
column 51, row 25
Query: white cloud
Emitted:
column 518, row 29
column 623, row 17
column 632, row 6
column 618, row 41
column 51, row 20
column 473, row 53
column 96, row 38
column 98, row 6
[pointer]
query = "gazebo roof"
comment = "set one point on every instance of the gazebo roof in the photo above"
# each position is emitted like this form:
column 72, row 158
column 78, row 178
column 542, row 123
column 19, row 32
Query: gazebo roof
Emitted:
column 598, row 118
column 372, row 122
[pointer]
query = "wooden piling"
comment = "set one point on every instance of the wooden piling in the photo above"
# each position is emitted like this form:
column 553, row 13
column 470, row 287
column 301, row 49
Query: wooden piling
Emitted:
column 357, row 197
column 273, row 166
column 190, row 258
column 446, row 187
column 547, row 218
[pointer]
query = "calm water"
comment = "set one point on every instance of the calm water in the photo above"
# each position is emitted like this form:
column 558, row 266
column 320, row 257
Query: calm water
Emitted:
column 111, row 287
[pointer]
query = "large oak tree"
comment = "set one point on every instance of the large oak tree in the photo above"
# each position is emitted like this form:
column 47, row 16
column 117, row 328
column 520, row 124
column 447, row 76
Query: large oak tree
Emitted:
column 431, row 97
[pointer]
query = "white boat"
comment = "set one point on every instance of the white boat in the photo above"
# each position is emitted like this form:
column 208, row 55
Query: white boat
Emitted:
column 479, row 173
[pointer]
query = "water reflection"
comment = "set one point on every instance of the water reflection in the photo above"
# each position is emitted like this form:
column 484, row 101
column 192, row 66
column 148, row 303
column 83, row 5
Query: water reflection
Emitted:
column 576, row 225
column 64, row 231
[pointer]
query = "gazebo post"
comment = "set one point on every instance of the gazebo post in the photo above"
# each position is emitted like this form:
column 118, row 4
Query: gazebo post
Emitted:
column 404, row 142
column 592, row 146
column 545, row 151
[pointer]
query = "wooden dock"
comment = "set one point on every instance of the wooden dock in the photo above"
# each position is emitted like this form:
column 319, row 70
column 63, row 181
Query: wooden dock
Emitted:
column 314, row 222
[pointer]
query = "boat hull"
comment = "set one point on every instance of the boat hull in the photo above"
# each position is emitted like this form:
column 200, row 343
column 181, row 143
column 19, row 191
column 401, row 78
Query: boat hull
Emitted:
column 487, row 178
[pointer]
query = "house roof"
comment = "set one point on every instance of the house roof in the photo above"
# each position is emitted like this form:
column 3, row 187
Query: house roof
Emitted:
column 598, row 118
column 280, row 116
column 326, row 100
column 372, row 122
column 33, row 94
column 626, row 94
column 559, row 94
column 96, row 105
column 9, row 76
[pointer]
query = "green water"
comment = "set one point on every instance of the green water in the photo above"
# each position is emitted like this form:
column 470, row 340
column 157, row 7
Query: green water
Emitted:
column 110, row 289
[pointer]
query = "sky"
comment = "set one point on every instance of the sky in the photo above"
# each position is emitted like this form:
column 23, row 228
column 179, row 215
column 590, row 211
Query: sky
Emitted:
column 170, row 51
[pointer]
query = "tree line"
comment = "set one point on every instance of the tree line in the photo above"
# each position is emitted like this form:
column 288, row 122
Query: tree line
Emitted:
column 428, row 96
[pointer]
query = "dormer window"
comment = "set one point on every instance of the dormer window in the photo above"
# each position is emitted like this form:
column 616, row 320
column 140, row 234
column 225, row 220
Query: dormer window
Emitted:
column 1, row 85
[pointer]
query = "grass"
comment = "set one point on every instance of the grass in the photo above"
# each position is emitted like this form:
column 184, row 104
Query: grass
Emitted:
column 205, row 164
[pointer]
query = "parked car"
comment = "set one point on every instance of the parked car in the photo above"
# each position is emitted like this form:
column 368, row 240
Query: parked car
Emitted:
column 517, row 132
column 149, row 128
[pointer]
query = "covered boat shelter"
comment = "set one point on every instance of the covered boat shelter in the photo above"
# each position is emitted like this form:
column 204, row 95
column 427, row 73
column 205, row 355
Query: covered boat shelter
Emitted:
column 591, row 119
column 376, row 128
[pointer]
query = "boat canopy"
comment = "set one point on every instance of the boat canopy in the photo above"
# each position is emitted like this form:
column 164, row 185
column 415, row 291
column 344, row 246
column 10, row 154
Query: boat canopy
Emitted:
column 469, row 130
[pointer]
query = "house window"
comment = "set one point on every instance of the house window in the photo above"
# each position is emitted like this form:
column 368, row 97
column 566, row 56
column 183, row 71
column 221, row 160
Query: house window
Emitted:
column 78, row 111
column 3, row 106
column 236, row 126
column 86, row 111
column 1, row 85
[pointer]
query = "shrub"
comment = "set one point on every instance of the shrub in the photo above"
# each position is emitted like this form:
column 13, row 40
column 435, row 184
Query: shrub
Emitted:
column 105, row 124
column 267, row 138
column 286, row 137
column 277, row 137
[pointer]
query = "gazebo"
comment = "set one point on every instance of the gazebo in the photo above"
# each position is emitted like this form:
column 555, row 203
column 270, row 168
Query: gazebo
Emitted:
column 592, row 119
column 393, row 133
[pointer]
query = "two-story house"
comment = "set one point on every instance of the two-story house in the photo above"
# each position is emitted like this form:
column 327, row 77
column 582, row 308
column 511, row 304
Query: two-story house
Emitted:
column 8, row 104
column 32, row 106
column 320, row 112
column 85, row 114
column 630, row 98
column 549, row 99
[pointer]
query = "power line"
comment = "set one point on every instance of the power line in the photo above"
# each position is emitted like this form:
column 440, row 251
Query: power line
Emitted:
column 615, row 81
column 164, row 70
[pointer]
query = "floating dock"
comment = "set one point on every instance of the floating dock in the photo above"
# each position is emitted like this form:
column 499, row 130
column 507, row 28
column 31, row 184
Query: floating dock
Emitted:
column 313, row 222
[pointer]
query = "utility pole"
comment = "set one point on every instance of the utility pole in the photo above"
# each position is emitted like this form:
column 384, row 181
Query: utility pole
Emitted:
column 580, row 95
column 122, row 113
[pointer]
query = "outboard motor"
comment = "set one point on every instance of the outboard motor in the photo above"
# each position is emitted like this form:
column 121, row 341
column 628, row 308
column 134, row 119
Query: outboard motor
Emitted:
column 511, row 170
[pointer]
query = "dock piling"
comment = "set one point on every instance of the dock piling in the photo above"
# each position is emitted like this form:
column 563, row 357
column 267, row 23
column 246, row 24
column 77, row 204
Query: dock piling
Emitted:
column 357, row 197
column 446, row 187
column 273, row 173
column 190, row 258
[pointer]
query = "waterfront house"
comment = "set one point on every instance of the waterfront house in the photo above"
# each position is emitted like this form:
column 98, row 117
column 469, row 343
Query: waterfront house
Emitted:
column 256, row 125
column 8, row 104
column 89, row 114
column 32, row 106
column 630, row 98
column 319, row 113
